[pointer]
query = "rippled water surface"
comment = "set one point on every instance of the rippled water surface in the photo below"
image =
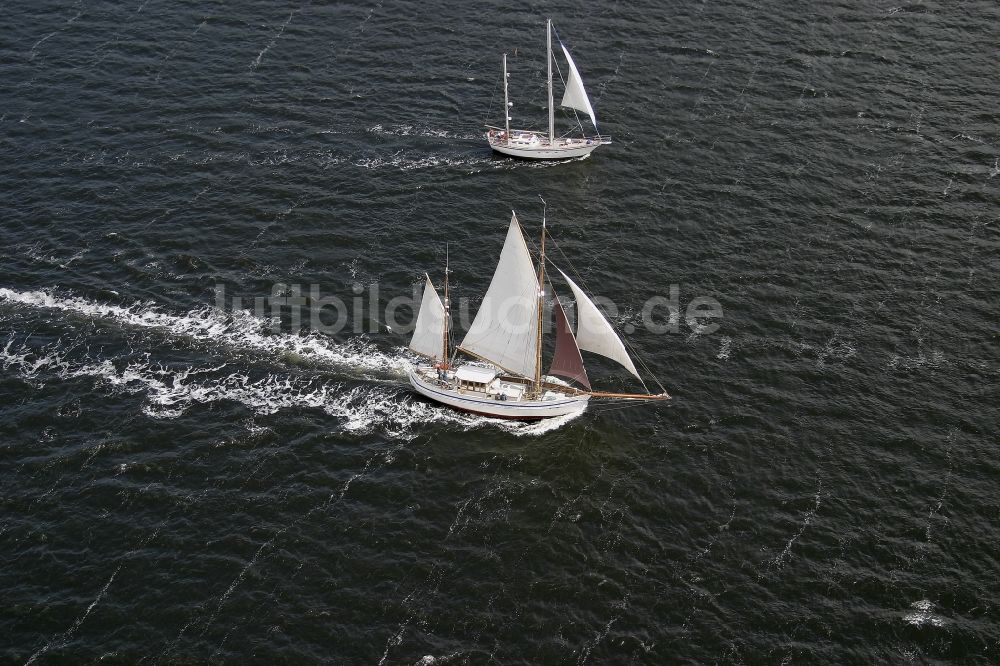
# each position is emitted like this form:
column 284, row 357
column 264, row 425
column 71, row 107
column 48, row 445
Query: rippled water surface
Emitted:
column 182, row 484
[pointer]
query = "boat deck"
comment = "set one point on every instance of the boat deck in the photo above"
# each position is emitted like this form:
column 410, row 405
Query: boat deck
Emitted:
column 503, row 397
column 530, row 139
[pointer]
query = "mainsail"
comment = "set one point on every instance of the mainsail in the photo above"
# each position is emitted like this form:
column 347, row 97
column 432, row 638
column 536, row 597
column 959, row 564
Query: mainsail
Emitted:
column 566, row 361
column 575, row 96
column 505, row 330
column 594, row 333
column 428, row 332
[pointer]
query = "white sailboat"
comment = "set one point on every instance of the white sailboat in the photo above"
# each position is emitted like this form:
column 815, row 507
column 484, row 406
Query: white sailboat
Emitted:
column 534, row 145
column 504, row 376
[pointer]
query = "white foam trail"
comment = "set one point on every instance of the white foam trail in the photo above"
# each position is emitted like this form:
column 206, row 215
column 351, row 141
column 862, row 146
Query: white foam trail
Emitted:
column 396, row 412
column 170, row 394
column 933, row 360
column 535, row 428
column 171, row 391
column 836, row 348
column 239, row 330
column 30, row 364
column 426, row 162
column 923, row 615
column 431, row 660
column 410, row 130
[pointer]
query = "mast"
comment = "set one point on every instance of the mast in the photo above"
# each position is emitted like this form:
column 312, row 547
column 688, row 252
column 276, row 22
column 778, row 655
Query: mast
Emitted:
column 552, row 109
column 447, row 312
column 506, row 102
column 541, row 303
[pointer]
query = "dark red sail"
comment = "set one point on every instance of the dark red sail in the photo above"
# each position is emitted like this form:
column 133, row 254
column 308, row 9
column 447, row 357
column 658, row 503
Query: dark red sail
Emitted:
column 567, row 362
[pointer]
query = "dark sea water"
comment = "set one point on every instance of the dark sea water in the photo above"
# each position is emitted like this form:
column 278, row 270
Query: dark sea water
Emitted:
column 187, row 485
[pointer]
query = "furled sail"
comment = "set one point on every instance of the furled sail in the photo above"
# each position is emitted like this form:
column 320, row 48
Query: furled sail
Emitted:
column 428, row 332
column 566, row 361
column 575, row 96
column 594, row 333
column 505, row 330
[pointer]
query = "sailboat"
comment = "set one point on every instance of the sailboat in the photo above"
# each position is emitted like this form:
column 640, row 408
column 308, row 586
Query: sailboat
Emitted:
column 537, row 145
column 502, row 376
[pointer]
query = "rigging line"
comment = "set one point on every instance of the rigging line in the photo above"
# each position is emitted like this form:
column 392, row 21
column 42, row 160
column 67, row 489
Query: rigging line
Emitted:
column 540, row 88
column 579, row 122
column 558, row 38
column 558, row 69
column 631, row 348
column 492, row 98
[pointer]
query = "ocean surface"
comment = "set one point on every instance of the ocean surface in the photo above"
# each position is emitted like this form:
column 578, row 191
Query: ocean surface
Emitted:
column 187, row 481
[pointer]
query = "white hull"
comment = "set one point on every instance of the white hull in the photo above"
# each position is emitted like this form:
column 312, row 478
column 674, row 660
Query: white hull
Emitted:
column 545, row 152
column 553, row 404
column 533, row 146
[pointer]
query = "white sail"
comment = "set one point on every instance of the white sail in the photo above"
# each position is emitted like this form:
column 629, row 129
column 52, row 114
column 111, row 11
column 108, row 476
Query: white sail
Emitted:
column 505, row 330
column 594, row 333
column 428, row 332
column 575, row 96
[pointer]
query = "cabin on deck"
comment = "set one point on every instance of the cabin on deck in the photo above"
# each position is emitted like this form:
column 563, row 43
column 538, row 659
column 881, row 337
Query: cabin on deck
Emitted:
column 474, row 378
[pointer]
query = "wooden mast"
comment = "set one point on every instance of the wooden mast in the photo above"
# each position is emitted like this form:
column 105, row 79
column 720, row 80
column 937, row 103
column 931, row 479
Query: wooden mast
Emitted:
column 629, row 396
column 541, row 304
column 447, row 313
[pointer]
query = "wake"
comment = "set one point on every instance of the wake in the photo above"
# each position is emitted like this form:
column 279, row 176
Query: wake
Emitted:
column 378, row 403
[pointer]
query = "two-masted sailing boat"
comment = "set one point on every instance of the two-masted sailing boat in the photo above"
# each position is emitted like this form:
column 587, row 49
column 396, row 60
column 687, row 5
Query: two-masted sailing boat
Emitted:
column 505, row 380
column 536, row 145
